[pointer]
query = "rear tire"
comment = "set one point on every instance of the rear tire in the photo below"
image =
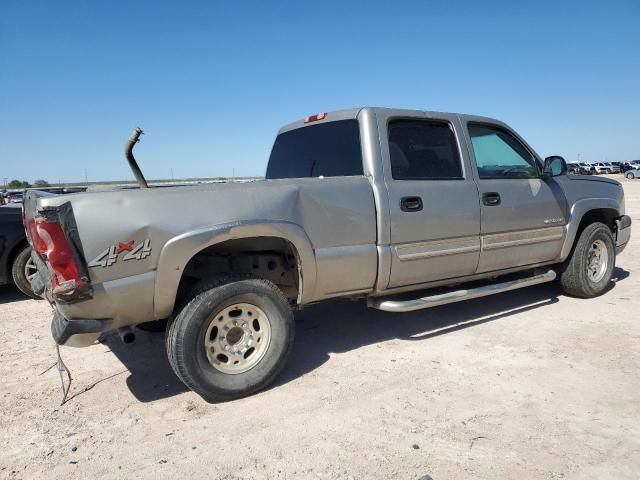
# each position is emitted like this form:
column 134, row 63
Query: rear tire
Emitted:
column 588, row 271
column 21, row 269
column 629, row 175
column 232, row 339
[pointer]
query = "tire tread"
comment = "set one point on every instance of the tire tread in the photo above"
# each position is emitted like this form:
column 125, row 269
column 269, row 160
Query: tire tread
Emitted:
column 176, row 350
column 572, row 276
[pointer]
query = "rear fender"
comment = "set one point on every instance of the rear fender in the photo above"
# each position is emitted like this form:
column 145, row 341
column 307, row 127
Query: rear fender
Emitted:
column 177, row 252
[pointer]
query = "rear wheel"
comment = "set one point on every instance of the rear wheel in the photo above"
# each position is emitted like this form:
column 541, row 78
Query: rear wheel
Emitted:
column 22, row 270
column 629, row 175
column 589, row 269
column 232, row 338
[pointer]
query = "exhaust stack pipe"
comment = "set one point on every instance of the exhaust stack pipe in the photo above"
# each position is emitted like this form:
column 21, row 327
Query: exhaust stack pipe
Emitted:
column 128, row 151
column 126, row 334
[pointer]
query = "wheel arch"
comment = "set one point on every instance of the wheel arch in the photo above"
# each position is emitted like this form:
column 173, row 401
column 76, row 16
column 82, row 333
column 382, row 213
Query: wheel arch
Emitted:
column 178, row 253
column 585, row 212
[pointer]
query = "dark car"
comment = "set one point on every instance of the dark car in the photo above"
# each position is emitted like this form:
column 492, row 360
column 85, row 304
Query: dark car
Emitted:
column 631, row 165
column 16, row 265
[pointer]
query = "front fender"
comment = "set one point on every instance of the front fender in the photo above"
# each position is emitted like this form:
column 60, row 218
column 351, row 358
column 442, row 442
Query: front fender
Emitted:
column 177, row 252
column 578, row 211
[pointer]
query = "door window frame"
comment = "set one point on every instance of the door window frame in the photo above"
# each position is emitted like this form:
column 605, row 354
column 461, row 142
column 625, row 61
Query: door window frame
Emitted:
column 512, row 134
column 458, row 138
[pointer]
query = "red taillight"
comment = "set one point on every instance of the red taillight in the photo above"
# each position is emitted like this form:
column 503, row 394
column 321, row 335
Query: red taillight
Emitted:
column 50, row 242
column 315, row 118
column 38, row 244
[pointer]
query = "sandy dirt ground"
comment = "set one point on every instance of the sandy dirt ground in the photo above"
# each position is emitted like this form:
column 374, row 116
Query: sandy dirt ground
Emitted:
column 527, row 384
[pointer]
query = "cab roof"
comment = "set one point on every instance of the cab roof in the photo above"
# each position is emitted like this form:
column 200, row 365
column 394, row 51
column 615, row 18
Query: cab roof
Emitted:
column 352, row 113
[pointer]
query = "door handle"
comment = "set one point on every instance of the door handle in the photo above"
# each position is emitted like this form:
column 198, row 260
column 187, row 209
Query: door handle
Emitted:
column 410, row 204
column 491, row 199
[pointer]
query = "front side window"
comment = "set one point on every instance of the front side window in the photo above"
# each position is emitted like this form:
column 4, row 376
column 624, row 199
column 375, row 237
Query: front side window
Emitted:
column 423, row 150
column 499, row 155
column 324, row 150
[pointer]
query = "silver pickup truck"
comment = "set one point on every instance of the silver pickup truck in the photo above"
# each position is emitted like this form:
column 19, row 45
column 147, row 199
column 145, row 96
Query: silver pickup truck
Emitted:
column 362, row 203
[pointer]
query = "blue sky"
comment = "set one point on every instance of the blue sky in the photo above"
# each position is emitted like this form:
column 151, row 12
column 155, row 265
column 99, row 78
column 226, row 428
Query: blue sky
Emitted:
column 211, row 82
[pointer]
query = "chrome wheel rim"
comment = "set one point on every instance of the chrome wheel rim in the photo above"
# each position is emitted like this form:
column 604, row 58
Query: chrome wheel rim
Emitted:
column 30, row 269
column 597, row 261
column 237, row 338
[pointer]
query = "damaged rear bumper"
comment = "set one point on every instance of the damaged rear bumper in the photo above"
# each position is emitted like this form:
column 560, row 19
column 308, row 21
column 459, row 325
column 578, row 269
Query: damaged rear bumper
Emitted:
column 77, row 332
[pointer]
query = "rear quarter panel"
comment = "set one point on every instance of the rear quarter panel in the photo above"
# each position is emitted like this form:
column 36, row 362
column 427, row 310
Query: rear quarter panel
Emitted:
column 336, row 214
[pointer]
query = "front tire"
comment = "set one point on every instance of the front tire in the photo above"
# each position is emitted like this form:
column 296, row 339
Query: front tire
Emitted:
column 588, row 271
column 629, row 175
column 232, row 339
column 22, row 269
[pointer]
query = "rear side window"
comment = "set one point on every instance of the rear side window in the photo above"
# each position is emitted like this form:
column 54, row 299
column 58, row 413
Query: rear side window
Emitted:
column 423, row 150
column 328, row 149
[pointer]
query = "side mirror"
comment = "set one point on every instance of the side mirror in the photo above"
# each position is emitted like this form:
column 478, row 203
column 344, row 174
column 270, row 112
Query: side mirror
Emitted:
column 554, row 166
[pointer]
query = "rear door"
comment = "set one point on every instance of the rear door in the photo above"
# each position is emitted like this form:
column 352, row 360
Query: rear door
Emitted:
column 434, row 205
column 523, row 215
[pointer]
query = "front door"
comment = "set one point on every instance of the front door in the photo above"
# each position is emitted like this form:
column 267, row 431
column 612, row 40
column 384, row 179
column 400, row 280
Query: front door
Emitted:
column 523, row 215
column 434, row 205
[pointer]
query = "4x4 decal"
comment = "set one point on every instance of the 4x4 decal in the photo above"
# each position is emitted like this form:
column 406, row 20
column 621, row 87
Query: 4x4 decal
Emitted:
column 134, row 252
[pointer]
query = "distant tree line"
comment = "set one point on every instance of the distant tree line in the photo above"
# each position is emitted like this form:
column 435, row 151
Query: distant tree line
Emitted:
column 24, row 184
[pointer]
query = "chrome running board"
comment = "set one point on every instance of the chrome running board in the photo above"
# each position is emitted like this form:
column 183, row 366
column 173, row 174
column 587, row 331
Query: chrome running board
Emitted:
column 383, row 303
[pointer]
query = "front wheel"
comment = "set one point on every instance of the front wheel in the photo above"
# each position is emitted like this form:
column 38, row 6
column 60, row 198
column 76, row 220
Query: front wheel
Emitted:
column 589, row 269
column 629, row 175
column 232, row 338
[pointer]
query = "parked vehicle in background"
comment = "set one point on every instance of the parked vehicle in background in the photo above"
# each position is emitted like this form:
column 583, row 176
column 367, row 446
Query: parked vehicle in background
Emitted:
column 587, row 168
column 619, row 165
column 361, row 203
column 16, row 265
column 628, row 166
column 631, row 174
column 14, row 197
column 601, row 168
column 574, row 168
column 614, row 168
column 578, row 169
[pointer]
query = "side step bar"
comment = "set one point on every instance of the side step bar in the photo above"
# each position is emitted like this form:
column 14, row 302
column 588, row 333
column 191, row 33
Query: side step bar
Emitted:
column 383, row 303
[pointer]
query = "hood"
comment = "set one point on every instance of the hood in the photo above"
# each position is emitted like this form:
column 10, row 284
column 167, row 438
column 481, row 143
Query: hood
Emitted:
column 592, row 178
